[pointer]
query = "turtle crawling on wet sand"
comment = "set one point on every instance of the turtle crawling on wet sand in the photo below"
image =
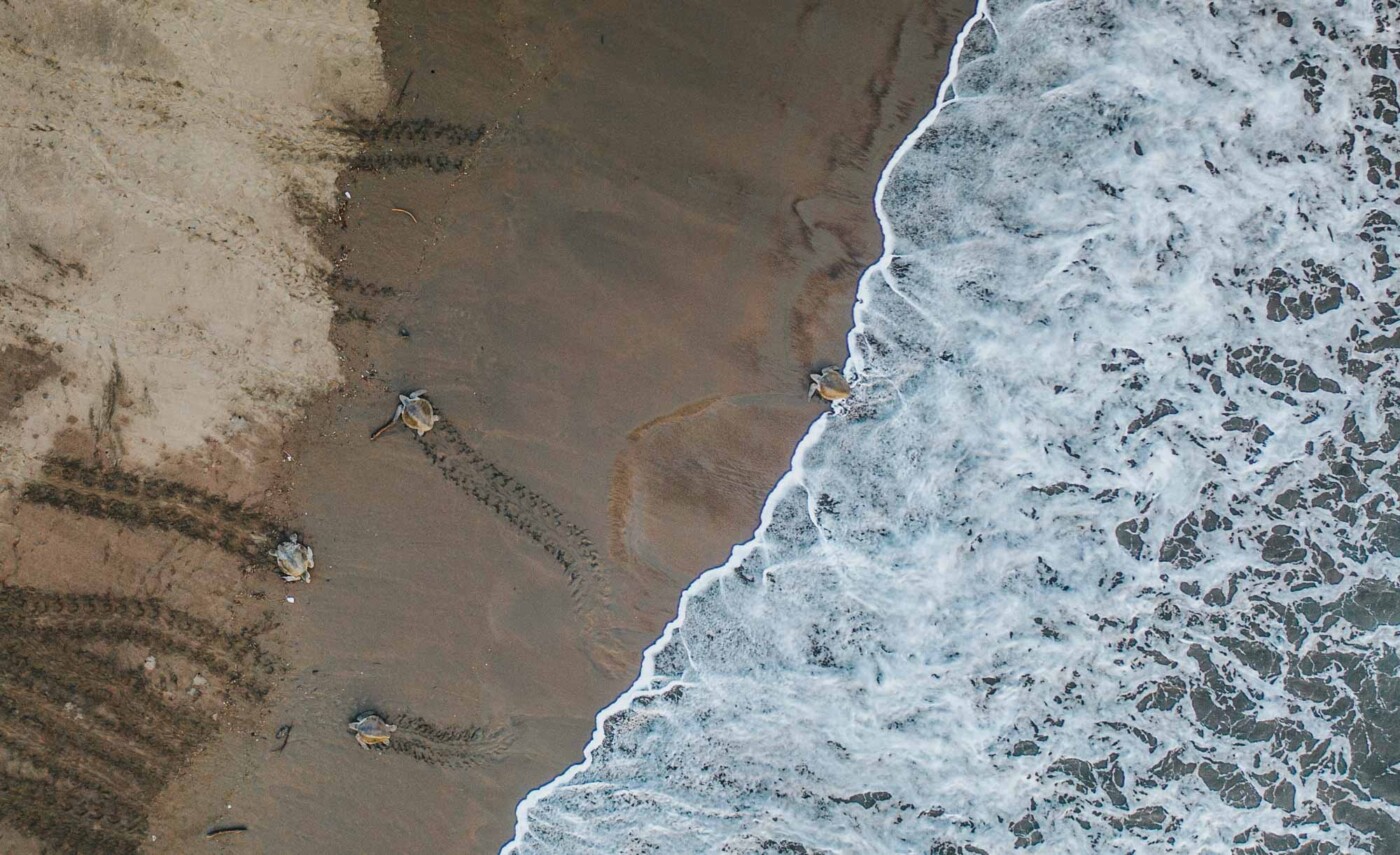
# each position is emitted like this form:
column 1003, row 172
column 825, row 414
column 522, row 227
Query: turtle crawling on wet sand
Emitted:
column 370, row 729
column 294, row 559
column 415, row 411
column 830, row 384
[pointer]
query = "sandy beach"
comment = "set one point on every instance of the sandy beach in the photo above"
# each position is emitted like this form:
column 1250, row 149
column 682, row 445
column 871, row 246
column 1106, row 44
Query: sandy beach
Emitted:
column 610, row 242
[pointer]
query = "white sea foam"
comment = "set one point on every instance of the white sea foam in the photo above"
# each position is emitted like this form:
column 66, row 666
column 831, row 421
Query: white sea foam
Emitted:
column 1100, row 556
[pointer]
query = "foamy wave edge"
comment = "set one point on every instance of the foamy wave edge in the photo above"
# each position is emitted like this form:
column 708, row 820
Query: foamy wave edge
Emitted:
column 644, row 686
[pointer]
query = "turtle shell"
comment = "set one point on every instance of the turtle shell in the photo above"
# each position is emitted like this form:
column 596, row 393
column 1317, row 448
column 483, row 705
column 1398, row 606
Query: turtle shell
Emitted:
column 832, row 385
column 372, row 729
column 418, row 414
column 294, row 558
column 373, row 726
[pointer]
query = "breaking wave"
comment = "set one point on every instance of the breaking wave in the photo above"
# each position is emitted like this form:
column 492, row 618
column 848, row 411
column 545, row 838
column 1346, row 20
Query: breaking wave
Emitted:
column 1100, row 557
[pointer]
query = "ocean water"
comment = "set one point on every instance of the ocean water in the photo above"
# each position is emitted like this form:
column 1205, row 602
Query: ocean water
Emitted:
column 1101, row 555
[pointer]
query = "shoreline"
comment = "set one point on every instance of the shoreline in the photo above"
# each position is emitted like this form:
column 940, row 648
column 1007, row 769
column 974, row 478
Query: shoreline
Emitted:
column 646, row 683
column 561, row 318
column 619, row 344
column 611, row 244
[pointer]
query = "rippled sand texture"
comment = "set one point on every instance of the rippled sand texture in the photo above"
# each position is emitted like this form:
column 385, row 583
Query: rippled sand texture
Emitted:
column 163, row 165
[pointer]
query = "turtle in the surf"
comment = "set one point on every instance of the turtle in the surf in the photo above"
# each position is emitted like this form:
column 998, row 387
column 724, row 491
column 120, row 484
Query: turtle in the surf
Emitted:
column 415, row 411
column 830, row 384
column 294, row 559
column 370, row 729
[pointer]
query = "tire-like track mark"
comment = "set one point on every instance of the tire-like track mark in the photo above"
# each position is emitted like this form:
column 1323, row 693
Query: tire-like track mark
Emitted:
column 453, row 747
column 528, row 513
column 91, row 741
column 237, row 657
column 67, row 818
column 154, row 502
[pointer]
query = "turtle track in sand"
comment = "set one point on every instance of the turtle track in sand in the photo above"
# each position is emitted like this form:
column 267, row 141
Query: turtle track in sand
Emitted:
column 528, row 513
column 153, row 502
column 390, row 145
column 86, row 742
column 453, row 747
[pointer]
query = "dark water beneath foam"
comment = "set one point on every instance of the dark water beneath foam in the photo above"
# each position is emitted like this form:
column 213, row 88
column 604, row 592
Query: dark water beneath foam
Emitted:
column 1101, row 555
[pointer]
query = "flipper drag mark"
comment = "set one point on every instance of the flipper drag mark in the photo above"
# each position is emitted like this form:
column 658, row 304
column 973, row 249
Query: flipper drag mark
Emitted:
column 153, row 502
column 453, row 747
column 527, row 512
column 90, row 740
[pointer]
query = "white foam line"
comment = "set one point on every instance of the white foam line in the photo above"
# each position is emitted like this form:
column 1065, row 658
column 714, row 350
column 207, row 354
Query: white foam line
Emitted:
column 642, row 686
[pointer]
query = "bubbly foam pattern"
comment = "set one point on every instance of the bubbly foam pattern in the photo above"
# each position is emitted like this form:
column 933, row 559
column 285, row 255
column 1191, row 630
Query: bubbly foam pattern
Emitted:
column 1100, row 557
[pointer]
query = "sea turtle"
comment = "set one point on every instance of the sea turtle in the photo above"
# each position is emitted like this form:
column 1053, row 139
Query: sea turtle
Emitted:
column 370, row 729
column 415, row 411
column 294, row 559
column 830, row 384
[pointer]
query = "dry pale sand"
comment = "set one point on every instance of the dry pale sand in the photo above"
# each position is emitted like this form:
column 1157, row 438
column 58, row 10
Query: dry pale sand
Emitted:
column 625, row 233
column 628, row 232
column 160, row 276
column 163, row 313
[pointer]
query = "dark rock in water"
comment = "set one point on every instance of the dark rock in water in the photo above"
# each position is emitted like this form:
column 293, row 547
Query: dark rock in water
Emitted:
column 1222, row 707
column 1161, row 410
column 1383, row 828
column 1281, row 547
column 1283, row 796
column 1172, row 767
column 1112, row 785
column 1181, row 549
column 1386, row 535
column 1262, row 658
column 1078, row 770
column 1373, row 603
column 1025, row 748
column 782, row 847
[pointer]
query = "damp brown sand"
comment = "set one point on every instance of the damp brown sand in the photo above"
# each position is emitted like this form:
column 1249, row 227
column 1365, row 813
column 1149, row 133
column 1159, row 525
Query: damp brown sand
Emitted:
column 628, row 232
column 162, row 317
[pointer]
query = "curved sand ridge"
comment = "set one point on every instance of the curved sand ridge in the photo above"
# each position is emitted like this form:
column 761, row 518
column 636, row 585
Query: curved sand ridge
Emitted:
column 163, row 166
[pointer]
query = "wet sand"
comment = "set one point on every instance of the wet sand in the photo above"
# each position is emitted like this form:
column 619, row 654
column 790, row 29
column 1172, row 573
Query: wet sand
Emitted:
column 627, row 234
